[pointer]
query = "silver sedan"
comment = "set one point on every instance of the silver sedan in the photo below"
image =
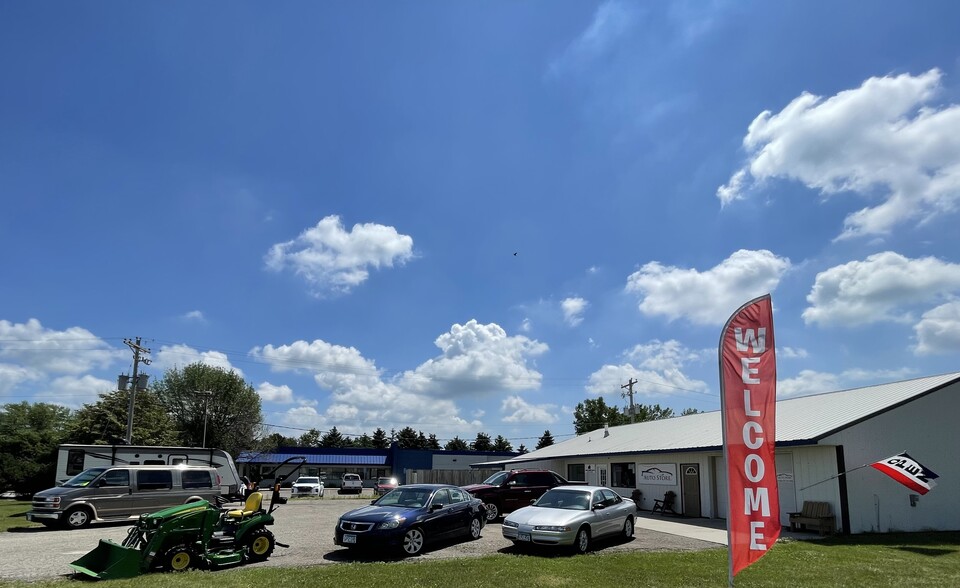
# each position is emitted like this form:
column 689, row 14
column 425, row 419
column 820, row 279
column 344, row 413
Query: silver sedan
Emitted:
column 571, row 516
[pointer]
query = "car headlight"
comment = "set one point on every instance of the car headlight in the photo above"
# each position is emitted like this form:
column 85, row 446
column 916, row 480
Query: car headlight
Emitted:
column 508, row 523
column 557, row 528
column 392, row 523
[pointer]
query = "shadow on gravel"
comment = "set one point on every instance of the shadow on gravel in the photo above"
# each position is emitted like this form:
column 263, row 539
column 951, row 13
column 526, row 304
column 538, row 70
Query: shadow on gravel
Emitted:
column 61, row 529
column 549, row 551
column 385, row 554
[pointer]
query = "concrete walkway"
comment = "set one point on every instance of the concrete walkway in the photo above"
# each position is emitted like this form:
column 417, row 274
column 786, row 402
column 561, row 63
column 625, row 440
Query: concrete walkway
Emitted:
column 712, row 530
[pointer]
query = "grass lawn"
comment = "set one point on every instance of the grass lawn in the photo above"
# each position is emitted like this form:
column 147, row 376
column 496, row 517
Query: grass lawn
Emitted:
column 895, row 560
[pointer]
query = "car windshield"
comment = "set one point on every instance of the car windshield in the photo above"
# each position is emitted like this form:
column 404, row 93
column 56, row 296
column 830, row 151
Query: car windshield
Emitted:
column 84, row 478
column 566, row 499
column 308, row 480
column 405, row 498
column 497, row 478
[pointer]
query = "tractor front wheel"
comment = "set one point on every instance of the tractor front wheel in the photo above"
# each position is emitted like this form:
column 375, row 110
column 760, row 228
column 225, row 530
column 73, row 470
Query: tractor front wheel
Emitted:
column 260, row 544
column 179, row 558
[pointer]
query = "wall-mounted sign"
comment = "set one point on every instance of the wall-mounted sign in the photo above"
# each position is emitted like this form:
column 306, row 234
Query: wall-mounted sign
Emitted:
column 664, row 474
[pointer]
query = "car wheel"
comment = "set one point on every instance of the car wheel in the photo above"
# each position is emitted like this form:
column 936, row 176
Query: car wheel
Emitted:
column 77, row 518
column 476, row 525
column 582, row 543
column 260, row 544
column 493, row 512
column 628, row 528
column 179, row 558
column 413, row 541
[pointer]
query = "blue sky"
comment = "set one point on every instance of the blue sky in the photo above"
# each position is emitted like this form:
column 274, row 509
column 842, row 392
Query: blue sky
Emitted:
column 462, row 216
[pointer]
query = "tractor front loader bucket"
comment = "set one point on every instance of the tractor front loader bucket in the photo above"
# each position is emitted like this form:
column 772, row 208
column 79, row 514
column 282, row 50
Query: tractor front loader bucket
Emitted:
column 110, row 560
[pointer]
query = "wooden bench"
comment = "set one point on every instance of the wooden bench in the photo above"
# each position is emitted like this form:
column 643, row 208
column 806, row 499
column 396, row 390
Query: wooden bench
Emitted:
column 814, row 514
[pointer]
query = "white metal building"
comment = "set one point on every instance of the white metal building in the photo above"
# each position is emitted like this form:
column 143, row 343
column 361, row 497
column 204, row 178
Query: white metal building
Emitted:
column 818, row 437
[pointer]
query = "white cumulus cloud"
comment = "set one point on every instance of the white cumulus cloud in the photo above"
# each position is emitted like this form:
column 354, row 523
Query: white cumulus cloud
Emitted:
column 573, row 309
column 658, row 367
column 517, row 410
column 271, row 393
column 706, row 297
column 938, row 331
column 333, row 260
column 180, row 356
column 885, row 138
column 72, row 351
column 884, row 287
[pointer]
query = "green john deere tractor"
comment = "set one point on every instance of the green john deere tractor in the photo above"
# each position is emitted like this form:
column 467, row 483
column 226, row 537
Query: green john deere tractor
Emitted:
column 192, row 535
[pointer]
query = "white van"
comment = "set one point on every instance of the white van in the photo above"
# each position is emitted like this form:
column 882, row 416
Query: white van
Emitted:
column 114, row 493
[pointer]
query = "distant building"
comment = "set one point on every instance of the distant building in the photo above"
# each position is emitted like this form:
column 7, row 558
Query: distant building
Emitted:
column 331, row 464
column 818, row 439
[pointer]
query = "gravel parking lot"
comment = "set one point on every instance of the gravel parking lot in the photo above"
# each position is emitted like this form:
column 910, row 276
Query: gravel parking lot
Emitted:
column 306, row 524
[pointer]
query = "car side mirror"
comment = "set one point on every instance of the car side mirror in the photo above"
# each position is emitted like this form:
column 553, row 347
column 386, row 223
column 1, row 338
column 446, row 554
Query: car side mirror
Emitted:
column 599, row 506
column 101, row 483
column 435, row 507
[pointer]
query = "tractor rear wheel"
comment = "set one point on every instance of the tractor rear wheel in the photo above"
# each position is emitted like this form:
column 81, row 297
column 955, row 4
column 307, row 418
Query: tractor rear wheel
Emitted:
column 179, row 558
column 260, row 544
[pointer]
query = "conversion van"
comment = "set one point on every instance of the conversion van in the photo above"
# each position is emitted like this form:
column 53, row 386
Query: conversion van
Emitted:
column 114, row 493
column 73, row 459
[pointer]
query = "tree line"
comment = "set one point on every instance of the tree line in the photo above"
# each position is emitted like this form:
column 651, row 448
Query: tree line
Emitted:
column 205, row 406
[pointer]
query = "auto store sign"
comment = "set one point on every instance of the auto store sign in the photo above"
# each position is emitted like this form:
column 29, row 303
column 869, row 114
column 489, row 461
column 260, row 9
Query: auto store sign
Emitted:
column 658, row 473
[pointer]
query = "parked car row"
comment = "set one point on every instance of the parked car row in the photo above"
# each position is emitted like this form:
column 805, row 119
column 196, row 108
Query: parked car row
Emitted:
column 408, row 518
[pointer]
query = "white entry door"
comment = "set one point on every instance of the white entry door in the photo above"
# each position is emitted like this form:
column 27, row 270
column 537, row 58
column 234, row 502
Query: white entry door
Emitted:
column 602, row 475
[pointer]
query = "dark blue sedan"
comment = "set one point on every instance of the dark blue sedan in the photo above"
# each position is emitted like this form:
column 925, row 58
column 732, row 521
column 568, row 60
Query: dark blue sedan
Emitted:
column 408, row 517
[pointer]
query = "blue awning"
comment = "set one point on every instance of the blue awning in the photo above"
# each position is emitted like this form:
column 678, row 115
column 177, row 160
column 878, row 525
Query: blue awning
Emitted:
column 314, row 459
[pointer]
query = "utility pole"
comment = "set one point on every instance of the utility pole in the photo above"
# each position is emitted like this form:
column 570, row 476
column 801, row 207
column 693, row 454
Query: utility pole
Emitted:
column 629, row 392
column 206, row 400
column 139, row 381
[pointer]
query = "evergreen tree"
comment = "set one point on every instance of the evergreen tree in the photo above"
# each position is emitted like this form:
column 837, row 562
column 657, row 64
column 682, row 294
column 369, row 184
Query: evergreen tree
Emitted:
column 456, row 444
column 522, row 449
column 379, row 439
column 364, row 441
column 546, row 440
column 482, row 442
column 432, row 442
column 407, row 438
column 332, row 438
column 687, row 411
column 502, row 444
column 421, row 440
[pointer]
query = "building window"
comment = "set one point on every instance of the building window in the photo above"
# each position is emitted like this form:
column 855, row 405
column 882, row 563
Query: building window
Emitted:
column 74, row 462
column 624, row 475
column 576, row 472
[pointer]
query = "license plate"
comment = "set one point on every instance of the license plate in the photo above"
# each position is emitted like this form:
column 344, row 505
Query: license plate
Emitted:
column 523, row 536
column 349, row 538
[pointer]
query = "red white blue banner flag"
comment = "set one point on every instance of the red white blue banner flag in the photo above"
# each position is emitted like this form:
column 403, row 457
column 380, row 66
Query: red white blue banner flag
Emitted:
column 908, row 471
column 748, row 400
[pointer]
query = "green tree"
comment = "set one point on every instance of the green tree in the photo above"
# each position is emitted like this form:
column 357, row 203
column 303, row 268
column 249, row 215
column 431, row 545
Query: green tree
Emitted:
column 379, row 439
column 457, row 444
column 433, row 442
column 501, row 443
column 650, row 412
column 29, row 435
column 364, row 441
column 687, row 411
column 406, row 438
column 333, row 438
column 309, row 439
column 593, row 414
column 546, row 440
column 230, row 414
column 482, row 442
column 104, row 422
column 522, row 449
column 273, row 442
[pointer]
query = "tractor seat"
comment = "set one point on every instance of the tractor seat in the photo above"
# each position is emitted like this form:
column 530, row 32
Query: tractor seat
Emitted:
column 250, row 507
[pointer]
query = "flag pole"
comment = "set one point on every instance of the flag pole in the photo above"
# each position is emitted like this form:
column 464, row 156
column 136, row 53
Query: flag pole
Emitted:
column 866, row 465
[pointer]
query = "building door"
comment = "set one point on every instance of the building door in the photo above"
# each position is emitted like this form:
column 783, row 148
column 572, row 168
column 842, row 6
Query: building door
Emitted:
column 590, row 471
column 786, row 487
column 602, row 479
column 690, row 484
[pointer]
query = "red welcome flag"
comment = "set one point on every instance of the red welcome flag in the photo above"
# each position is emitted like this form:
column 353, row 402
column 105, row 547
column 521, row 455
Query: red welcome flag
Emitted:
column 908, row 471
column 748, row 400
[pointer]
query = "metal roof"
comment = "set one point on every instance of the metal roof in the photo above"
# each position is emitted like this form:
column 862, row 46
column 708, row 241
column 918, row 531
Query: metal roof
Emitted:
column 802, row 420
column 312, row 459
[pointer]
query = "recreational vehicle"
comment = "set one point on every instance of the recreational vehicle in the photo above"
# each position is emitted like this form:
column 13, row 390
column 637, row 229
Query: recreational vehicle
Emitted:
column 73, row 459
